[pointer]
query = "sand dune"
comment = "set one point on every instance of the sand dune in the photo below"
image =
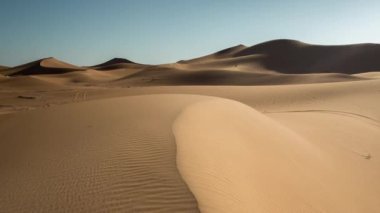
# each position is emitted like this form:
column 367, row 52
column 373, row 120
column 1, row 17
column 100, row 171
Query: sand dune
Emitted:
column 226, row 53
column 294, row 57
column 114, row 61
column 43, row 66
column 236, row 159
column 117, row 63
column 281, row 126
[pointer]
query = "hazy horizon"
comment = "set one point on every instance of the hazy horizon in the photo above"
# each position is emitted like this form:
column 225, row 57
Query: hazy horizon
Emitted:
column 155, row 32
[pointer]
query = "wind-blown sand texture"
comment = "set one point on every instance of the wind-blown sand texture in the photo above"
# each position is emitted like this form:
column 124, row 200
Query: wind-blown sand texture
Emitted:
column 281, row 126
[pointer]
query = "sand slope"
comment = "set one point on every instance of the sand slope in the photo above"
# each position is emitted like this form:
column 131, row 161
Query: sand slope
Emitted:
column 104, row 156
column 236, row 159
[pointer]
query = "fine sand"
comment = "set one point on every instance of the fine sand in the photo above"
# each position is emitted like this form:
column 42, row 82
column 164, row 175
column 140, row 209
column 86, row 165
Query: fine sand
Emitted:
column 281, row 126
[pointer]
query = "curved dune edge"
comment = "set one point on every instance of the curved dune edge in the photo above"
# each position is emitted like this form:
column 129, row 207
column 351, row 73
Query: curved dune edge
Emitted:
column 235, row 159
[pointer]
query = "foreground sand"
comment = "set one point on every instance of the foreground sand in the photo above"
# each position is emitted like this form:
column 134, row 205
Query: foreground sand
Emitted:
column 99, row 140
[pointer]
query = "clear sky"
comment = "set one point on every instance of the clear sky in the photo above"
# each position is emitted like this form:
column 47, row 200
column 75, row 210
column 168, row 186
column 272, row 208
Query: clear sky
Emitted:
column 86, row 32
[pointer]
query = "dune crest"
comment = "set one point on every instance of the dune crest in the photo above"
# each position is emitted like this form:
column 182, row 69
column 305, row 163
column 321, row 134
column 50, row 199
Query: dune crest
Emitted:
column 111, row 63
column 235, row 159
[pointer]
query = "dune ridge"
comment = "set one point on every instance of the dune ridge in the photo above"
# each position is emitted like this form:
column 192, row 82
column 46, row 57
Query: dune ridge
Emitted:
column 277, row 62
column 244, row 165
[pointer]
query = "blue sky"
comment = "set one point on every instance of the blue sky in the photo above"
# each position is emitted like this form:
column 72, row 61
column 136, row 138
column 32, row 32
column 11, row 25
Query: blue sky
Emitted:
column 86, row 32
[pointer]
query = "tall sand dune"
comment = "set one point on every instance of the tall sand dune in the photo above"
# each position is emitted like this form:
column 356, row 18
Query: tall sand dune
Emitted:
column 43, row 66
column 294, row 57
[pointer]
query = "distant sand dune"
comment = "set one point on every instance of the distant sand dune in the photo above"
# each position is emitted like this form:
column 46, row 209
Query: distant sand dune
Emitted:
column 156, row 77
column 270, row 63
column 43, row 66
column 117, row 63
column 226, row 53
column 294, row 57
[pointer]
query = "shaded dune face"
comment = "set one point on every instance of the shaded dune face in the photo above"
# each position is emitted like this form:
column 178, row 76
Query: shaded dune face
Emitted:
column 294, row 57
column 287, row 56
column 113, row 63
column 164, row 76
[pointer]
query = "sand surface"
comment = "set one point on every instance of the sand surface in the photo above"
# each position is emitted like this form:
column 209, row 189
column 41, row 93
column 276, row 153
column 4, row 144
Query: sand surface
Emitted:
column 281, row 126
